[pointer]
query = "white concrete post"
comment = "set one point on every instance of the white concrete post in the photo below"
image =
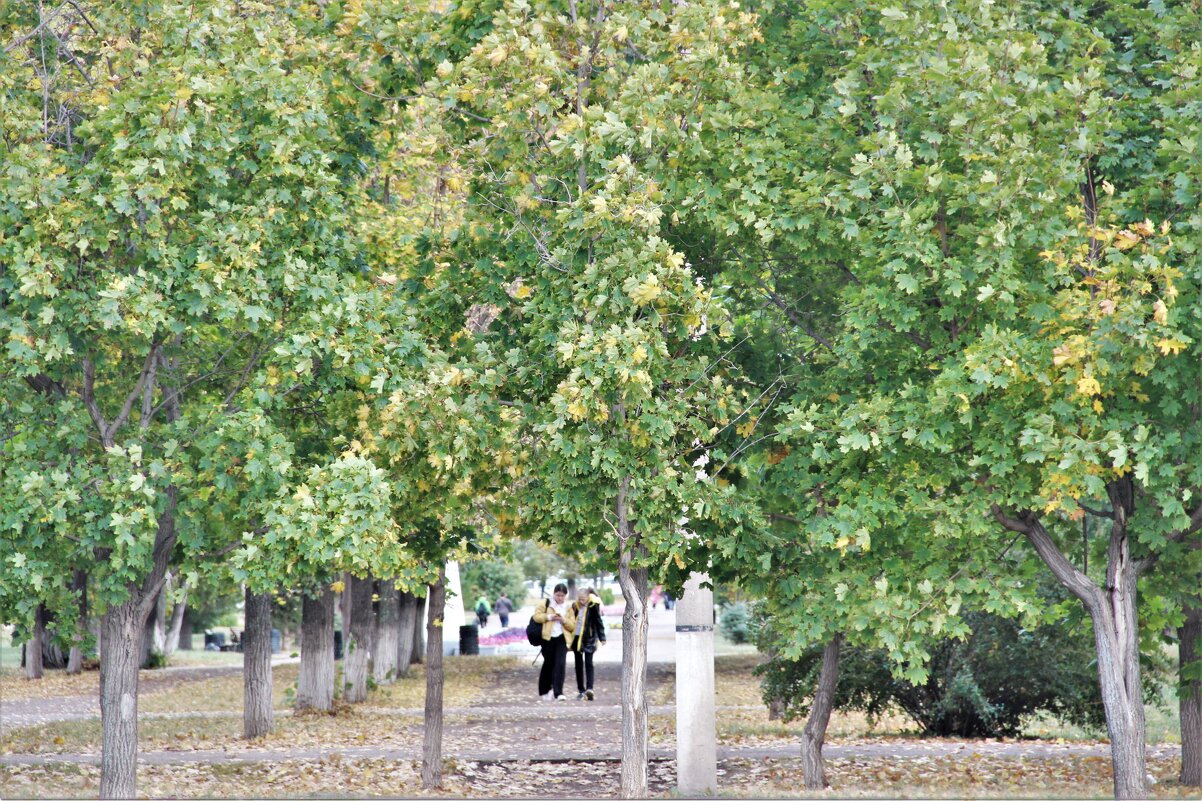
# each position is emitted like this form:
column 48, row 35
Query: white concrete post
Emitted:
column 696, row 735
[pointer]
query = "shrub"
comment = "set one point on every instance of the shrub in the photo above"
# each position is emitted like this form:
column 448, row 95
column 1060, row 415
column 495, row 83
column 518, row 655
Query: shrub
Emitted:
column 490, row 579
column 983, row 686
column 606, row 594
column 735, row 622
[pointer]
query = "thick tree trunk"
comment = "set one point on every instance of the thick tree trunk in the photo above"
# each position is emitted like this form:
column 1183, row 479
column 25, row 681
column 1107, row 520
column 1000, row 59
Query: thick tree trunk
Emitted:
column 407, row 613
column 358, row 648
column 432, row 743
column 256, row 666
column 633, row 580
column 419, row 631
column 1190, row 665
column 386, row 643
column 315, row 688
column 177, row 622
column 79, row 583
column 814, row 733
column 120, row 654
column 37, row 641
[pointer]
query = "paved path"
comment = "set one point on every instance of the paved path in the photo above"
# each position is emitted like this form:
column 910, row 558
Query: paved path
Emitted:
column 39, row 711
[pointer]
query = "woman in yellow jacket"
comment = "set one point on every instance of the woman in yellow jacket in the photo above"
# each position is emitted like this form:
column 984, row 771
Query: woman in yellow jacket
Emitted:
column 558, row 619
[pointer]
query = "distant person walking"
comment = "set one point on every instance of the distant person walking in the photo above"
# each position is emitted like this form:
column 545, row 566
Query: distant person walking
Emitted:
column 483, row 610
column 503, row 607
column 589, row 633
column 559, row 621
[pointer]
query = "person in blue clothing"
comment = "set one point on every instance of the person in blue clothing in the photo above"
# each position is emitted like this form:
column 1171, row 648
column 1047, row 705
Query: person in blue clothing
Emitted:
column 589, row 634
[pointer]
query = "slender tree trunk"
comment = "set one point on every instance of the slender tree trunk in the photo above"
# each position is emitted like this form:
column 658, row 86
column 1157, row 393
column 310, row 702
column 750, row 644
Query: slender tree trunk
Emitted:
column 315, row 689
column 177, row 622
column 432, row 743
column 814, row 733
column 159, row 619
column 407, row 612
column 75, row 658
column 358, row 648
column 256, row 666
column 1190, row 666
column 185, row 631
column 386, row 644
column 419, row 631
column 633, row 580
column 120, row 654
column 37, row 640
column 344, row 608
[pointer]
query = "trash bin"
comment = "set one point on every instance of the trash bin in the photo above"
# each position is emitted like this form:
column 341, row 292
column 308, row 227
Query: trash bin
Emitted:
column 277, row 641
column 469, row 640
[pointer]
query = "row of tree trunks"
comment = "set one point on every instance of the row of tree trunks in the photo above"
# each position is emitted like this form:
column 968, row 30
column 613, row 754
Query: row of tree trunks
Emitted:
column 256, row 666
column 386, row 644
column 407, row 616
column 357, row 653
column 79, row 583
column 315, row 689
column 432, row 743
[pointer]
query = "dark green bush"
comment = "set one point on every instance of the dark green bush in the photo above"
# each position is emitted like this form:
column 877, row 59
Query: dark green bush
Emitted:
column 980, row 687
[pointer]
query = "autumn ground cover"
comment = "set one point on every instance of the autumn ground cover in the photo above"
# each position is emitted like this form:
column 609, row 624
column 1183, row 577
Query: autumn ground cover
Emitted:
column 499, row 744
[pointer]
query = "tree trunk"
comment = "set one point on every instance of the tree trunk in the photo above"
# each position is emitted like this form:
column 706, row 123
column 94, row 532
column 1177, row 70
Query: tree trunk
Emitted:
column 633, row 580
column 120, row 654
column 344, row 609
column 419, row 631
column 185, row 631
column 75, row 658
column 256, row 666
column 315, row 688
column 814, row 733
column 386, row 643
column 1113, row 610
column 358, row 648
column 432, row 743
column 154, row 629
column 1190, row 667
column 407, row 613
column 37, row 641
column 177, row 622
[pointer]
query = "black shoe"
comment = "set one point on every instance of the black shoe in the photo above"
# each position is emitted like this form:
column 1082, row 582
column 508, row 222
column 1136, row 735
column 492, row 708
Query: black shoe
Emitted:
column 588, row 694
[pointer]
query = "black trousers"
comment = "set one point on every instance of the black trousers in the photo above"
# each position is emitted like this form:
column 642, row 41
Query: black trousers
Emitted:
column 584, row 670
column 555, row 657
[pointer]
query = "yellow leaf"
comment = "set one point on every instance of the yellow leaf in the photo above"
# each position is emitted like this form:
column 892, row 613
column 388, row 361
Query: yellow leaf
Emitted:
column 338, row 586
column 1160, row 312
column 578, row 410
column 1088, row 385
column 499, row 54
column 679, row 562
column 1170, row 345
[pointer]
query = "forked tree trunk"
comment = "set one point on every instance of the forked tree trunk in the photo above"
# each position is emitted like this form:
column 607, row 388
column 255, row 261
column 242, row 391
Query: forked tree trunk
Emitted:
column 1190, row 666
column 1113, row 610
column 419, row 631
column 814, row 733
column 407, row 613
column 37, row 641
column 387, row 639
column 79, row 583
column 633, row 580
column 315, row 689
column 256, row 666
column 432, row 742
column 358, row 649
column 120, row 654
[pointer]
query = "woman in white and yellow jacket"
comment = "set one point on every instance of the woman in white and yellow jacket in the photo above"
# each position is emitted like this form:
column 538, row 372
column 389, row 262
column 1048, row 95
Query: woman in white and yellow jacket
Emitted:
column 559, row 622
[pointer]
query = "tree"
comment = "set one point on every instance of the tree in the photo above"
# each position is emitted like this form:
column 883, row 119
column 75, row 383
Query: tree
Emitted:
column 184, row 252
column 997, row 366
column 574, row 124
